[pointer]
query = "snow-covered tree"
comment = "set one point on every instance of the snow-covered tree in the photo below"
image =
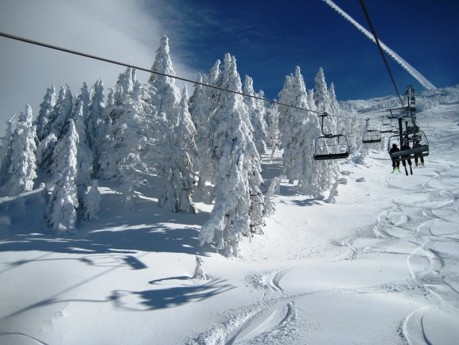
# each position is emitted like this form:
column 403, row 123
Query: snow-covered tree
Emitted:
column 123, row 121
column 178, row 155
column 272, row 190
column 291, row 125
column 62, row 205
column 203, row 109
column 321, row 95
column 165, row 95
column 5, row 153
column 84, row 153
column 62, row 112
column 272, row 123
column 329, row 168
column 299, row 128
column 334, row 105
column 91, row 202
column 97, row 124
column 84, row 98
column 257, row 113
column 45, row 151
column 126, row 150
column 46, row 108
column 239, row 206
column 4, row 159
column 311, row 103
column 55, row 127
column 22, row 168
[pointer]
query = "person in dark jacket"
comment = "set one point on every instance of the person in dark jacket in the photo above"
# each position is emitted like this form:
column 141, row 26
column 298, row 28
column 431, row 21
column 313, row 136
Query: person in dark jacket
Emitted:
column 395, row 163
column 417, row 157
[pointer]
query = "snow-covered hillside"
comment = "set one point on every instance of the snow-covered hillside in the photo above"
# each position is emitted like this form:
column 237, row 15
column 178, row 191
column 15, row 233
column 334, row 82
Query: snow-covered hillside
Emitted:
column 378, row 265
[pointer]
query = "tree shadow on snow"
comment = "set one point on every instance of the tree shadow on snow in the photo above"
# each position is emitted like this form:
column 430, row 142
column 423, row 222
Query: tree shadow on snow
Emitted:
column 167, row 298
column 307, row 202
column 146, row 228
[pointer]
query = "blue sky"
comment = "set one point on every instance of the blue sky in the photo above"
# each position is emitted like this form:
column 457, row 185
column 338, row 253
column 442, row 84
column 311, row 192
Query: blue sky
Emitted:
column 269, row 38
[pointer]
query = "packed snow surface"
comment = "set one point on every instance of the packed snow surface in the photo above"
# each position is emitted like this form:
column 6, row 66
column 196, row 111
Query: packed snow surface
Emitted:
column 377, row 266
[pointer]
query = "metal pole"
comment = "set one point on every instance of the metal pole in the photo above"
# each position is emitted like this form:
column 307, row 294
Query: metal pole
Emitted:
column 400, row 131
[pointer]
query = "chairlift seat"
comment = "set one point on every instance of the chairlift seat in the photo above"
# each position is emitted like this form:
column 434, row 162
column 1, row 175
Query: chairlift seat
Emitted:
column 331, row 146
column 421, row 151
column 371, row 136
column 321, row 157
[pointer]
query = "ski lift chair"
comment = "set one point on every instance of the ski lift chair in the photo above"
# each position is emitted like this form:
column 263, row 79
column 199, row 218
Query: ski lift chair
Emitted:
column 386, row 128
column 370, row 135
column 330, row 146
column 386, row 125
column 418, row 143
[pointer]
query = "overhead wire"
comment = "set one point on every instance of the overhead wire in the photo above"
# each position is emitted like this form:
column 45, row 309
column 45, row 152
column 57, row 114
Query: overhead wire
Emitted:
column 381, row 51
column 119, row 63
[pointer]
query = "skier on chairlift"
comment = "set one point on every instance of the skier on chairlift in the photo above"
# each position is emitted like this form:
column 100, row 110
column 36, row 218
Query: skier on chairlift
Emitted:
column 416, row 156
column 406, row 146
column 395, row 162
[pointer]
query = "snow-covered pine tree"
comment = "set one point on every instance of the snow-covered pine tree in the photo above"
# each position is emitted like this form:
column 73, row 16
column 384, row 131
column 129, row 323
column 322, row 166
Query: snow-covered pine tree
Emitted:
column 298, row 129
column 272, row 122
column 328, row 168
column 84, row 153
column 91, row 202
column 165, row 95
column 97, row 124
column 178, row 154
column 22, row 168
column 291, row 125
column 272, row 190
column 4, row 159
column 46, row 108
column 174, row 134
column 334, row 105
column 5, row 153
column 62, row 205
column 203, row 108
column 321, row 95
column 311, row 102
column 129, row 137
column 257, row 113
column 55, row 127
column 85, row 99
column 62, row 112
column 119, row 113
column 238, row 208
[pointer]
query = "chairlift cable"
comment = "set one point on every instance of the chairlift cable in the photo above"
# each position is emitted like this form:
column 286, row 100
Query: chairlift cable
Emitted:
column 381, row 51
column 119, row 63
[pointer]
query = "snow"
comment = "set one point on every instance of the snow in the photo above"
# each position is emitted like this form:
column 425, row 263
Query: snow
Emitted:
column 377, row 266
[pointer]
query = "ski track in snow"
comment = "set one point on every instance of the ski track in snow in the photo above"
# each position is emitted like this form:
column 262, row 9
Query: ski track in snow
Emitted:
column 431, row 270
column 421, row 231
column 418, row 227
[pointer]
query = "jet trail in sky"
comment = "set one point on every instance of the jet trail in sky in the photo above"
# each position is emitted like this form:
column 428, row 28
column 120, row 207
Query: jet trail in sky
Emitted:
column 410, row 69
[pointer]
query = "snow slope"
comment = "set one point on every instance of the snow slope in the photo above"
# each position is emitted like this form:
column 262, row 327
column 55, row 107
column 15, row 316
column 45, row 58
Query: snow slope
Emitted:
column 377, row 266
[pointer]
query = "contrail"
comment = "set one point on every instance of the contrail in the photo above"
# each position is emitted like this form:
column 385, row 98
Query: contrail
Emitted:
column 410, row 69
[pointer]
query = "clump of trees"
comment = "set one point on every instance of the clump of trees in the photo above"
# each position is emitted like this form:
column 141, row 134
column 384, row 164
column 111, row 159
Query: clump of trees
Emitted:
column 206, row 147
